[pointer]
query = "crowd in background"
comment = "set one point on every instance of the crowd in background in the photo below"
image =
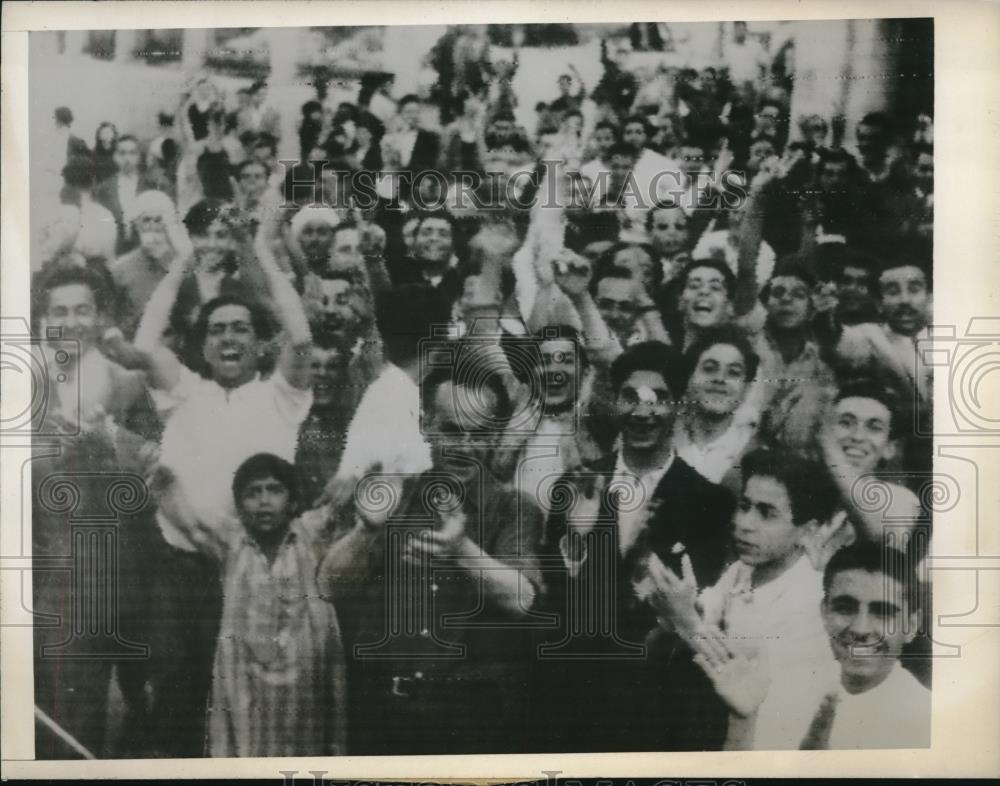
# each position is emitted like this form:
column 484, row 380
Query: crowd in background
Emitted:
column 566, row 446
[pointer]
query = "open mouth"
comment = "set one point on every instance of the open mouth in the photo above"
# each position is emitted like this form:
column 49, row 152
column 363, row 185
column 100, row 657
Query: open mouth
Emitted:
column 230, row 356
column 858, row 650
column 855, row 452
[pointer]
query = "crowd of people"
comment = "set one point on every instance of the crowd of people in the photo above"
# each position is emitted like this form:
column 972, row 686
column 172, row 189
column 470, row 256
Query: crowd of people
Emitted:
column 568, row 445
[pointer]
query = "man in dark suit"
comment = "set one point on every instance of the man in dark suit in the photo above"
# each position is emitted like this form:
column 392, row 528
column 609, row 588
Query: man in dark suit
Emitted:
column 119, row 191
column 610, row 676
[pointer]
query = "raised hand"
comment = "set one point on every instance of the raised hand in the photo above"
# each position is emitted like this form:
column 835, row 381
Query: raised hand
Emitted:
column 572, row 274
column 740, row 679
column 823, row 541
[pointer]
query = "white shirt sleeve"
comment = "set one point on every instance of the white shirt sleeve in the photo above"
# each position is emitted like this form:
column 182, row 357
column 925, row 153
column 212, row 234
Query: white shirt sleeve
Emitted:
column 292, row 403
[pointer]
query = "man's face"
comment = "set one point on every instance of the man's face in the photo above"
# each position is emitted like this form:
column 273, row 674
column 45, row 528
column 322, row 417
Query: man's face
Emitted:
column 214, row 247
column 668, row 231
column 231, row 345
column 327, row 372
column 594, row 251
column 760, row 151
column 253, row 180
column 789, row 306
column 718, row 383
column 316, row 238
column 762, row 524
column 559, row 372
column 72, row 308
column 265, row 508
column 638, row 263
column 565, row 83
column 869, row 142
column 126, row 157
column 635, row 135
column 456, row 413
column 410, row 114
column 868, row 620
column 854, row 291
column 705, row 301
column 346, row 251
column 861, row 427
column 433, row 242
column 604, row 140
column 905, row 299
column 616, row 303
column 646, row 410
column 692, row 161
column 833, row 177
column 152, row 234
column 265, row 155
column 338, row 315
column 621, row 168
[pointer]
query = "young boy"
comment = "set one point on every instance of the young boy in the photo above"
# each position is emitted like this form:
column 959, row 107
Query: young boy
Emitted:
column 278, row 679
column 869, row 613
column 859, row 437
column 767, row 599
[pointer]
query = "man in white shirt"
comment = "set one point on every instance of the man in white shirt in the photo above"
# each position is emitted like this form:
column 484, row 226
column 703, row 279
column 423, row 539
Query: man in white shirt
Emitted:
column 767, row 600
column 211, row 425
column 905, row 300
column 869, row 612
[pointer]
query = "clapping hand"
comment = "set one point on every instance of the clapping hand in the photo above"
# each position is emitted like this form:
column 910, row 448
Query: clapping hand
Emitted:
column 741, row 678
column 572, row 274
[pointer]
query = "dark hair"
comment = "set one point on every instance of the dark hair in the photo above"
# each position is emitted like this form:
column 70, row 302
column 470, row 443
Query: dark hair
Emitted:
column 409, row 98
column 875, row 558
column 603, row 271
column 266, row 140
column 836, row 156
column 623, row 150
column 257, row 86
column 912, row 252
column 64, row 115
column 200, row 217
column 865, row 387
column 811, row 492
column 714, row 264
column 607, row 124
column 248, row 162
column 69, row 275
column 311, row 106
column 664, row 204
column 472, row 371
column 266, row 465
column 426, row 215
column 791, row 265
column 164, row 119
column 649, row 356
column 723, row 334
column 646, row 127
column 405, row 315
column 260, row 320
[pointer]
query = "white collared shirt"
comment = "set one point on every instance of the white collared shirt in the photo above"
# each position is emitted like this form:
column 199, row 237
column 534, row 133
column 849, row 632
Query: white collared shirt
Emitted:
column 783, row 617
column 713, row 459
column 632, row 516
column 898, row 353
column 128, row 188
column 209, row 431
column 386, row 429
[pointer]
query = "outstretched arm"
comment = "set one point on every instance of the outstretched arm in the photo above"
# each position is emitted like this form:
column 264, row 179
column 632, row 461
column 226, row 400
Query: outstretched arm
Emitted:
column 751, row 234
column 162, row 365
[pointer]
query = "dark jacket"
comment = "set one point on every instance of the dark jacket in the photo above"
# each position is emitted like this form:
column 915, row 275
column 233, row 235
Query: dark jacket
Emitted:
column 626, row 685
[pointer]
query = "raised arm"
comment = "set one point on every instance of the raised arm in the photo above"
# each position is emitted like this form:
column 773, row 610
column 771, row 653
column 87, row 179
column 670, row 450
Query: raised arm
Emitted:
column 296, row 358
column 572, row 274
column 162, row 365
column 751, row 234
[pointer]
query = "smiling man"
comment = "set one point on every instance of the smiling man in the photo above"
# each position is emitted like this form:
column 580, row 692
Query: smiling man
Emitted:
column 212, row 423
column 643, row 499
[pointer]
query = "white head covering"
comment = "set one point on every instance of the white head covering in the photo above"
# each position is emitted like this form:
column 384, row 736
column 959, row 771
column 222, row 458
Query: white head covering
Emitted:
column 313, row 214
column 155, row 203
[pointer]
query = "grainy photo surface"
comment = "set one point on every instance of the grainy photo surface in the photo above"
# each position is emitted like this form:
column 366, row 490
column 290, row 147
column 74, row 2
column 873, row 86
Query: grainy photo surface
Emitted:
column 523, row 388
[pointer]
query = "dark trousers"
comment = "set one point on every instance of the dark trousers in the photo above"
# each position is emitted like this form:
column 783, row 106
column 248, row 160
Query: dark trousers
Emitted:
column 187, row 612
